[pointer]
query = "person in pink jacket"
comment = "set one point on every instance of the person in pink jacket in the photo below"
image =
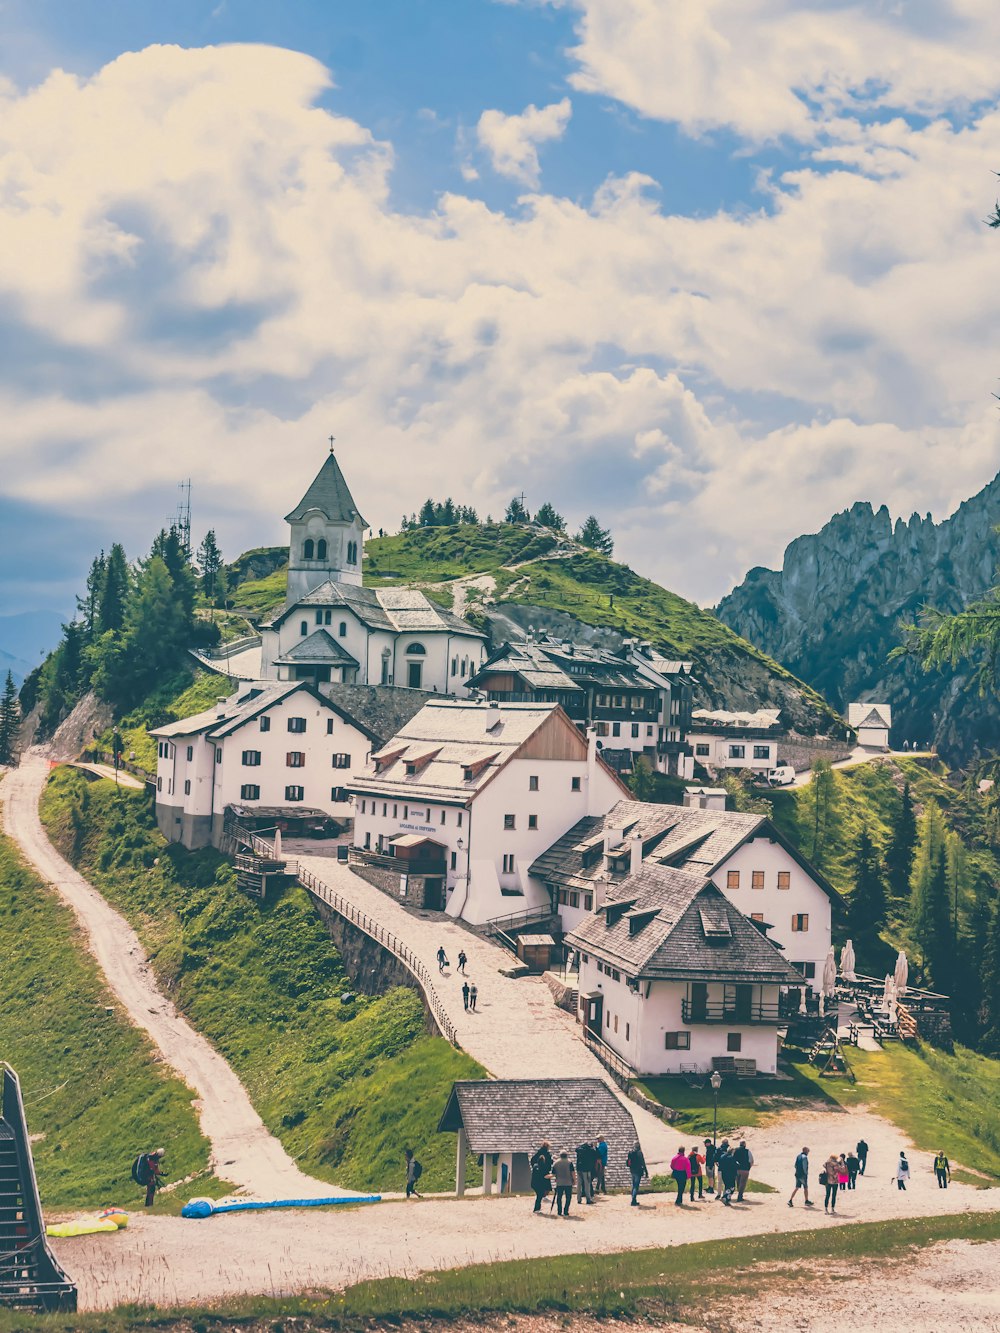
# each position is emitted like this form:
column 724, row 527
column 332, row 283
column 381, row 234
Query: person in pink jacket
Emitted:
column 681, row 1168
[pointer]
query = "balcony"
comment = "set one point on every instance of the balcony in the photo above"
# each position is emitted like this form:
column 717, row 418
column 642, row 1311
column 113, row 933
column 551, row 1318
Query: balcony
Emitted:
column 757, row 1013
column 399, row 865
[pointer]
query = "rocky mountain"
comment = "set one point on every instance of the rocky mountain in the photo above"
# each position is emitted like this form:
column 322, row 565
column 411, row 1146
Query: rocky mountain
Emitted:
column 832, row 613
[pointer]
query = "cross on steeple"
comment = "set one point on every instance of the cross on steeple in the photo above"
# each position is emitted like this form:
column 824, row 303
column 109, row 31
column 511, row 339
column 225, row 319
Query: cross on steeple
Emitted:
column 332, row 438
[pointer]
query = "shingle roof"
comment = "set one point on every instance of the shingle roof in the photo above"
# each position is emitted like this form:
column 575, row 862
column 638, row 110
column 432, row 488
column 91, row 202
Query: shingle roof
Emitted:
column 518, row 1115
column 685, row 837
column 329, row 494
column 239, row 708
column 400, row 610
column 545, row 665
column 662, row 922
column 320, row 646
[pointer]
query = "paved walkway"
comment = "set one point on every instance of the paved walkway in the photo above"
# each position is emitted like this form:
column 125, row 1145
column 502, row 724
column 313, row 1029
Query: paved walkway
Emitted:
column 243, row 1150
column 517, row 1031
column 284, row 1252
column 106, row 771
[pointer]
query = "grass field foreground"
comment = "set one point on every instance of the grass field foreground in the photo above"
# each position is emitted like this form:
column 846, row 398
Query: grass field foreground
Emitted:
column 94, row 1090
column 345, row 1085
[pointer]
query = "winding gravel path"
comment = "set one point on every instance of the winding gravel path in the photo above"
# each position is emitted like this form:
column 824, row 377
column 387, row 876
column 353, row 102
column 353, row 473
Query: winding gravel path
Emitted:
column 243, row 1149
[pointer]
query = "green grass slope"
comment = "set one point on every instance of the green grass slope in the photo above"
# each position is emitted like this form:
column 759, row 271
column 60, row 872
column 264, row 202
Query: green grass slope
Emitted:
column 94, row 1091
column 344, row 1086
column 598, row 591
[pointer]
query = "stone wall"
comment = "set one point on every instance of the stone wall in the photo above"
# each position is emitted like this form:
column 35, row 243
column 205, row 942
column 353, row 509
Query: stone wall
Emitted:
column 803, row 751
column 373, row 969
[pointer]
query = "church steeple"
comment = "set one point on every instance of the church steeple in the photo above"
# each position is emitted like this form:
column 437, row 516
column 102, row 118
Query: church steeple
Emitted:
column 327, row 534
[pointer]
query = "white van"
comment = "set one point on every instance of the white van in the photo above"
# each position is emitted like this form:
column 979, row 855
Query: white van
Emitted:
column 782, row 776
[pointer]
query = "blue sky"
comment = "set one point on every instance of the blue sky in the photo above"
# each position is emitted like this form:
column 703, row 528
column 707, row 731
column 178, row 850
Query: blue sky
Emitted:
column 712, row 273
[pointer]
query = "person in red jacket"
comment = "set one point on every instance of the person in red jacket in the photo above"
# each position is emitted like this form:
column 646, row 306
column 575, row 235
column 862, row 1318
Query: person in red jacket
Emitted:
column 681, row 1168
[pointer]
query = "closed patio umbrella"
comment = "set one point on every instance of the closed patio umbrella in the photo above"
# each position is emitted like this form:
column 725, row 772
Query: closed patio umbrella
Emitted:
column 847, row 962
column 828, row 987
column 901, row 973
column 277, row 844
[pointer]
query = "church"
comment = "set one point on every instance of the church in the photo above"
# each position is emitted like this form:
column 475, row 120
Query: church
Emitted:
column 332, row 630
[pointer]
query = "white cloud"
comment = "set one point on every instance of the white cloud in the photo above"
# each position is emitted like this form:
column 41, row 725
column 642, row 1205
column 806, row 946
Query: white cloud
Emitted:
column 202, row 273
column 512, row 141
column 767, row 68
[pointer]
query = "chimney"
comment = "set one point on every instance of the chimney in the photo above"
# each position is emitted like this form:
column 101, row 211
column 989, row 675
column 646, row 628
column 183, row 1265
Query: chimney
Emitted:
column 635, row 852
column 220, row 706
column 492, row 714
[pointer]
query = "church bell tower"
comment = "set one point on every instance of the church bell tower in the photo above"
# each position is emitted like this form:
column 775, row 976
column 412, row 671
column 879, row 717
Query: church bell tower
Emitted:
column 327, row 534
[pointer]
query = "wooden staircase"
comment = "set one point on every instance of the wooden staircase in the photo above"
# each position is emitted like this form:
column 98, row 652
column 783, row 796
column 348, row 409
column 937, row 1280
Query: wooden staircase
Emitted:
column 30, row 1277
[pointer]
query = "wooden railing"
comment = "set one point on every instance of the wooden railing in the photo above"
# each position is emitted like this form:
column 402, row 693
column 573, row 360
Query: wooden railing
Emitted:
column 343, row 907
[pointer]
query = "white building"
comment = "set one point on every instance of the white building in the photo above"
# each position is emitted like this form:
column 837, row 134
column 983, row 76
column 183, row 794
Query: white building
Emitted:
column 466, row 796
column 674, row 978
column 872, row 722
column 333, row 630
column 273, row 746
column 744, row 854
column 726, row 740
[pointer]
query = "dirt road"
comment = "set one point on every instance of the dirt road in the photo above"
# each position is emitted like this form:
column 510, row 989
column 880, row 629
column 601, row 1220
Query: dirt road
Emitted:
column 243, row 1150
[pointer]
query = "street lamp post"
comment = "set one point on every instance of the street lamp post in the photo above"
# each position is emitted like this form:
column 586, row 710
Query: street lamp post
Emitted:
column 716, row 1081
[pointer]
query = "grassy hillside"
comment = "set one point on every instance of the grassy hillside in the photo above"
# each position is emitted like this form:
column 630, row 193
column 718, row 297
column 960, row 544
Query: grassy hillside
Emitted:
column 346, row 1086
column 581, row 583
column 94, row 1091
column 183, row 695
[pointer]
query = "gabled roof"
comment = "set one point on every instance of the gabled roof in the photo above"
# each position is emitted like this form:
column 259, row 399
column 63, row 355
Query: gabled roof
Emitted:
column 518, row 1115
column 555, row 666
column 399, row 610
column 686, row 837
column 320, row 646
column 678, row 925
column 328, row 495
column 874, row 719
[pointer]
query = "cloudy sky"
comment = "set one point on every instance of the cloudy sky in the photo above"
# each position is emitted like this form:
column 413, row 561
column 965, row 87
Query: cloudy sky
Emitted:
column 712, row 271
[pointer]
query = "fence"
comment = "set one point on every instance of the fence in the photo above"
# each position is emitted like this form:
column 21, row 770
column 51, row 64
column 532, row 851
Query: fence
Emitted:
column 619, row 1069
column 388, row 941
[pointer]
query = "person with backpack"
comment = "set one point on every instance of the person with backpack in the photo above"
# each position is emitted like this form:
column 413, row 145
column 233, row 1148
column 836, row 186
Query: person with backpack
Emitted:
column 147, row 1170
column 637, row 1169
column 413, row 1173
column 862, row 1151
column 585, row 1157
column 711, row 1152
column 744, row 1161
column 473, row 997
column 462, row 960
column 601, row 1165
column 541, row 1168
column 728, row 1170
column 852, row 1171
column 801, row 1178
column 902, row 1172
column 696, row 1161
column 942, row 1169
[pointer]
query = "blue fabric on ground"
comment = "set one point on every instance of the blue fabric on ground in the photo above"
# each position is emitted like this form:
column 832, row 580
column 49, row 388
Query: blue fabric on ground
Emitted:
column 205, row 1207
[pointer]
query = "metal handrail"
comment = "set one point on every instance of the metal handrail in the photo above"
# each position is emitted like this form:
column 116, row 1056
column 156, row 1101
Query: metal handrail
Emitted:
column 616, row 1065
column 343, row 907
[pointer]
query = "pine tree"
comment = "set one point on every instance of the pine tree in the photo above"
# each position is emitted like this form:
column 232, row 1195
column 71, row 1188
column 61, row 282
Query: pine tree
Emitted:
column 990, row 971
column 959, row 879
column 549, row 518
column 516, row 512
column 596, row 537
column 426, row 519
column 155, row 633
column 903, row 840
column 930, row 917
column 821, row 813
column 114, row 593
column 866, row 908
column 448, row 515
column 89, row 606
column 211, row 565
column 10, row 717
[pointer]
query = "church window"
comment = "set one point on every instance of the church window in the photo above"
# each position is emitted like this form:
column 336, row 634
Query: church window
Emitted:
column 319, row 617
column 417, row 649
column 352, row 553
column 328, row 617
column 343, row 629
column 321, row 549
column 304, row 628
column 308, row 548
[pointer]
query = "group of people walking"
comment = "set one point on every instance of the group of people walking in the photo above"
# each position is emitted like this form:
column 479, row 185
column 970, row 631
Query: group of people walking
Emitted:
column 587, row 1171
column 470, row 991
column 837, row 1173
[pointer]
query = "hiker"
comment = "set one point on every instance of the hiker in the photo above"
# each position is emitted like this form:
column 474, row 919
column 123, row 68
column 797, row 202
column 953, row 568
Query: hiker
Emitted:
column 942, row 1169
column 902, row 1172
column 681, row 1168
column 636, row 1164
column 695, row 1160
column 442, row 958
column 801, row 1178
column 601, row 1166
column 842, row 1173
column 727, row 1168
column 462, row 960
column 829, row 1178
column 862, row 1151
column 473, row 996
column 465, row 994
column 585, row 1157
column 720, row 1152
column 541, row 1169
column 413, row 1173
column 852, row 1171
column 710, row 1155
column 147, row 1169
column 744, row 1161
column 562, row 1172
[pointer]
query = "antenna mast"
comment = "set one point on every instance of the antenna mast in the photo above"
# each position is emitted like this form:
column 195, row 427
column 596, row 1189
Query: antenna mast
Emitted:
column 183, row 519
